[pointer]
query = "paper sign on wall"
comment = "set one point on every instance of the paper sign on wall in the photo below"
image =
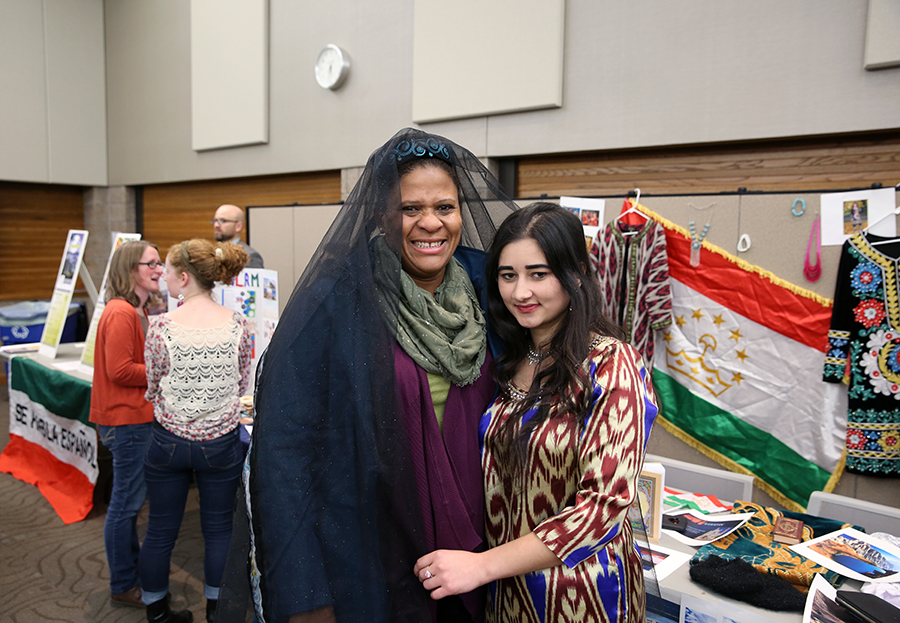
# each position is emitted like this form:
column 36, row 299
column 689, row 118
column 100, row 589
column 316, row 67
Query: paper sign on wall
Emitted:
column 844, row 214
column 590, row 211
column 254, row 294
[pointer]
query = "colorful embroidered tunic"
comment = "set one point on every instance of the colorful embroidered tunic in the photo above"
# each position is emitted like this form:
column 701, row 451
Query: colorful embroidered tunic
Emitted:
column 864, row 351
column 573, row 493
column 633, row 270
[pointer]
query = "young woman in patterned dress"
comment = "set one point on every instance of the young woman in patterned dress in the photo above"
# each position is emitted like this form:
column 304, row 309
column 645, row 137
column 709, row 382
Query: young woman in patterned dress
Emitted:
column 563, row 443
column 198, row 366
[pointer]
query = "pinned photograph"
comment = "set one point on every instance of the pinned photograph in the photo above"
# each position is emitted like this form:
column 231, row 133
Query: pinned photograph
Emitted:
column 590, row 211
column 856, row 216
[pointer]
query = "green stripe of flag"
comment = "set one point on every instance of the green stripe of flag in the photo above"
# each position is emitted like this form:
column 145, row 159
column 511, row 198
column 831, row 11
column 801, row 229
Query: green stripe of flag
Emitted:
column 762, row 454
column 61, row 394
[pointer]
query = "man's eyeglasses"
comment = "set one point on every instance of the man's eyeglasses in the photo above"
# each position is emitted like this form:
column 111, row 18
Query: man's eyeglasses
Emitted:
column 152, row 264
column 219, row 221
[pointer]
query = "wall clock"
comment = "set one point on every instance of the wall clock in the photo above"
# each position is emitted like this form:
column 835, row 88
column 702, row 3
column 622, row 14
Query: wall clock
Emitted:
column 332, row 67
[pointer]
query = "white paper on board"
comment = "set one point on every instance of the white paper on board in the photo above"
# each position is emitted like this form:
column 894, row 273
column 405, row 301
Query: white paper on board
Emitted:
column 846, row 213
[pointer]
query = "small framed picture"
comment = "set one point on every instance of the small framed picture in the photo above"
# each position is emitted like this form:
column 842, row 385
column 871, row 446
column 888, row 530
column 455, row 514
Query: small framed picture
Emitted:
column 646, row 510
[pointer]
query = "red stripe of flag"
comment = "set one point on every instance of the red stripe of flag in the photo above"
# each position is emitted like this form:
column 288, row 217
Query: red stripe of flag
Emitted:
column 68, row 490
column 801, row 318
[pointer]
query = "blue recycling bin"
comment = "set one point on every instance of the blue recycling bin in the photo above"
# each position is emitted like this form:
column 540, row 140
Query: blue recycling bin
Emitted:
column 21, row 323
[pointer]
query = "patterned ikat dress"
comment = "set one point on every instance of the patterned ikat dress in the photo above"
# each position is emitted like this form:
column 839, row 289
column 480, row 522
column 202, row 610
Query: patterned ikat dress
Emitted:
column 632, row 266
column 574, row 494
column 864, row 345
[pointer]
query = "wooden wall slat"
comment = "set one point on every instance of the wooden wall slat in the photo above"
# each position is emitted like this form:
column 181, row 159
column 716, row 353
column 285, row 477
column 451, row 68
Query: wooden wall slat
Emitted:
column 34, row 221
column 176, row 212
column 833, row 163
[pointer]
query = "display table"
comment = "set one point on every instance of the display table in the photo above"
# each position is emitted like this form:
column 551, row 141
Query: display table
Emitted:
column 679, row 583
column 52, row 444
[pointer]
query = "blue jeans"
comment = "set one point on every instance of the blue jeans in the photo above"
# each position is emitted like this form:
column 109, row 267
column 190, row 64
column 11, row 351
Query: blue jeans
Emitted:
column 170, row 462
column 127, row 444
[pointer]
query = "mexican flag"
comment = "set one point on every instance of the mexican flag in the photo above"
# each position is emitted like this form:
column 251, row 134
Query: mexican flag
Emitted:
column 51, row 444
column 739, row 372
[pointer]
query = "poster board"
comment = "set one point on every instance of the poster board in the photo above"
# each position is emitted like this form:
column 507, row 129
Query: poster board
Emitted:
column 87, row 356
column 254, row 293
column 69, row 266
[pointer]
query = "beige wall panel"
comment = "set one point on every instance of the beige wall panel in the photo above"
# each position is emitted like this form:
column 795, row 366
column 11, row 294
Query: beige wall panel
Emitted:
column 636, row 74
column 23, row 100
column 273, row 237
column 76, row 90
column 149, row 91
column 287, row 237
column 662, row 73
column 311, row 223
column 882, row 43
column 229, row 73
column 507, row 71
column 310, row 128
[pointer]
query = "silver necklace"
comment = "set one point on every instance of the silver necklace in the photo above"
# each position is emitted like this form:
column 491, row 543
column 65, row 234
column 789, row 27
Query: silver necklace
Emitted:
column 534, row 356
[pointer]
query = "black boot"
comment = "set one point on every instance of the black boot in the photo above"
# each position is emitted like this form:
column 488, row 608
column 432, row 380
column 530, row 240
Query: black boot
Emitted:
column 211, row 610
column 160, row 612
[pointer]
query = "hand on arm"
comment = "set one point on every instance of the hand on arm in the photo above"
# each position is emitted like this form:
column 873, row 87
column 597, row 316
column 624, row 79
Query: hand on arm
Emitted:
column 454, row 572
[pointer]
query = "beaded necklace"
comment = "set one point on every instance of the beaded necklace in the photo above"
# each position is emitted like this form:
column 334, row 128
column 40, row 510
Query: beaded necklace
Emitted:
column 697, row 241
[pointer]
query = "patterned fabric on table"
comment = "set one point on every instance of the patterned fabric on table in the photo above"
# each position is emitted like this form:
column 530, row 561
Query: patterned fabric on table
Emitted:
column 573, row 493
column 633, row 269
column 864, row 351
column 753, row 544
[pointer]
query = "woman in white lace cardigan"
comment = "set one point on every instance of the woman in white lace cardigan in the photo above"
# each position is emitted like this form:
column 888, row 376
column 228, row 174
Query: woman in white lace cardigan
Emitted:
column 198, row 364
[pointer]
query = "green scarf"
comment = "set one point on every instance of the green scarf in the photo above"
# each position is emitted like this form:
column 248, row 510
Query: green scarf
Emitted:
column 445, row 333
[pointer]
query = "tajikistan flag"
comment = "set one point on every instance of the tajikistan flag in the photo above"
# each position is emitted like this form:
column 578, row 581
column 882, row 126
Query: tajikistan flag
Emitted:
column 739, row 372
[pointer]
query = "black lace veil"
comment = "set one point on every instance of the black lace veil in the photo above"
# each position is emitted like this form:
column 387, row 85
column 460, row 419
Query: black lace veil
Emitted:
column 330, row 495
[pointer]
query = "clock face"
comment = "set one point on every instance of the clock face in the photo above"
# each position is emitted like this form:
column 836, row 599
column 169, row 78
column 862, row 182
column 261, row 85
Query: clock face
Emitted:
column 332, row 67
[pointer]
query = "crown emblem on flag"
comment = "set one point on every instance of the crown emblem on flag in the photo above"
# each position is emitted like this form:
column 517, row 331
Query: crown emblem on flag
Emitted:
column 696, row 368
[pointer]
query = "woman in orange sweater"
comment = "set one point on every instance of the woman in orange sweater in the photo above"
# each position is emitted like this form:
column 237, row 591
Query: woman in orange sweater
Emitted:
column 118, row 407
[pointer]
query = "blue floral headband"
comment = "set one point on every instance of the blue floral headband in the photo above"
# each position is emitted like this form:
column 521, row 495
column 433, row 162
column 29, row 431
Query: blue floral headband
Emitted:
column 416, row 148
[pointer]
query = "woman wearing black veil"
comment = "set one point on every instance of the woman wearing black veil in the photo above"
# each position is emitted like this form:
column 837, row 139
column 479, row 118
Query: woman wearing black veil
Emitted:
column 365, row 448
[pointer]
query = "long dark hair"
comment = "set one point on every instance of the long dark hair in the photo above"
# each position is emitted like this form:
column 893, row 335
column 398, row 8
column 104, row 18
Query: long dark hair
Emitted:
column 560, row 236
